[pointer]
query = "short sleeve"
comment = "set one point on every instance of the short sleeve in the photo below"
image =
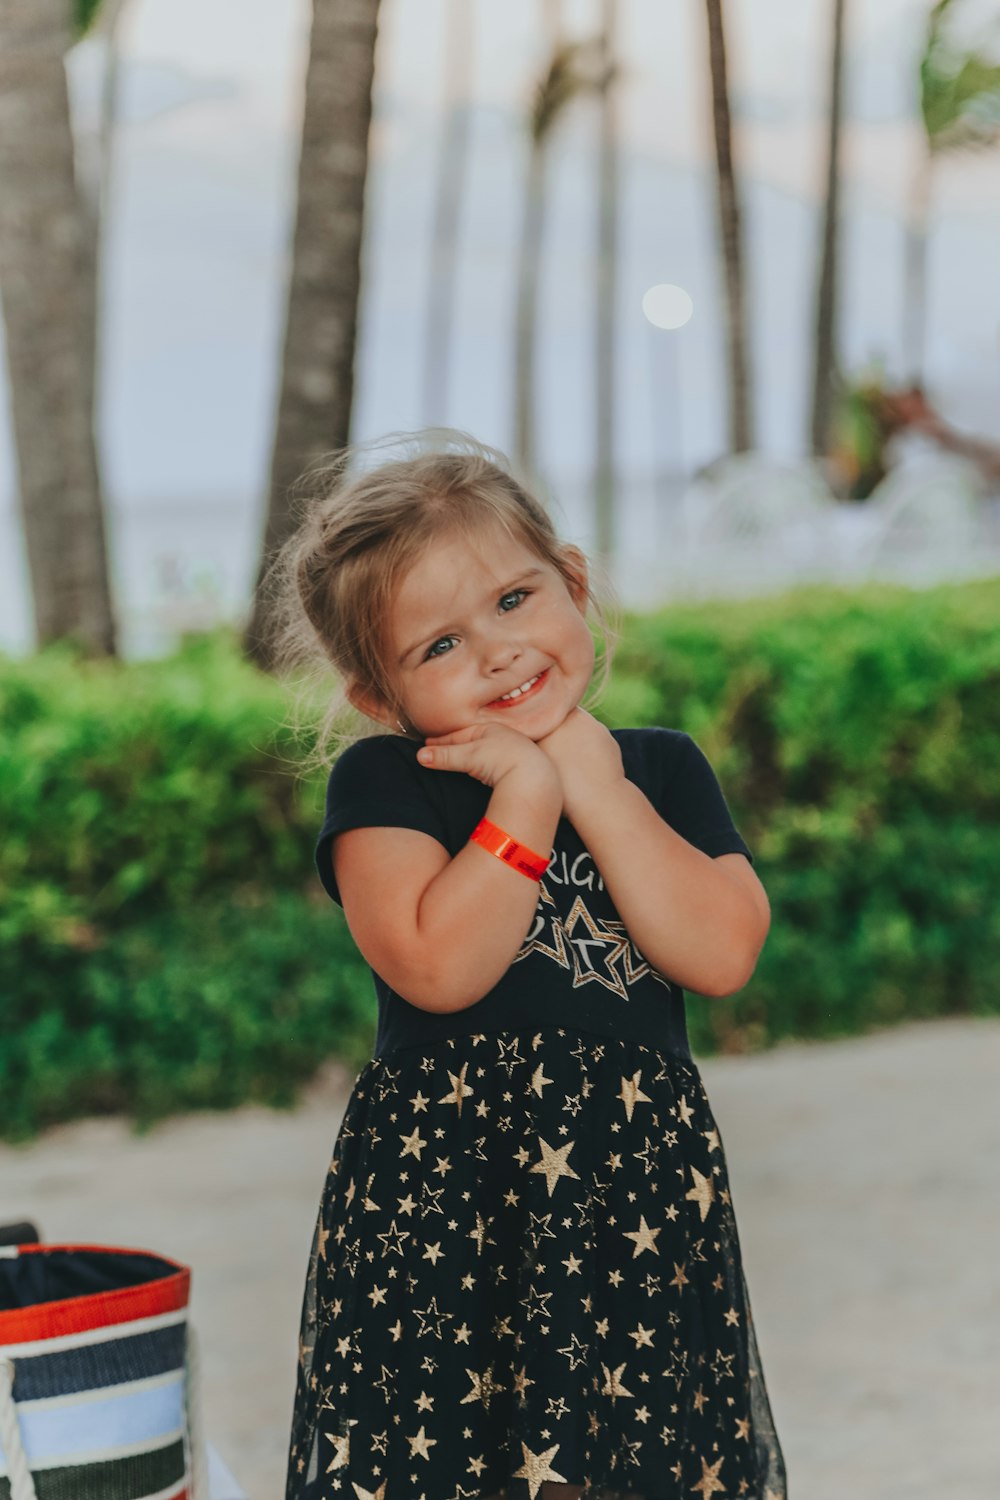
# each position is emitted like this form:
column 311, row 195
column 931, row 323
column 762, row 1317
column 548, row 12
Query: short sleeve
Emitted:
column 692, row 801
column 375, row 783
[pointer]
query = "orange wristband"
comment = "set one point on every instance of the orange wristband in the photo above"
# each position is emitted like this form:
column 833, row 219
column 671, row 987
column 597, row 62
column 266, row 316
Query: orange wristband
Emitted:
column 518, row 856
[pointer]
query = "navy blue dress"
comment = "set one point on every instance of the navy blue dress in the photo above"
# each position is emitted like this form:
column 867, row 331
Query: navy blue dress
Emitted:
column 526, row 1270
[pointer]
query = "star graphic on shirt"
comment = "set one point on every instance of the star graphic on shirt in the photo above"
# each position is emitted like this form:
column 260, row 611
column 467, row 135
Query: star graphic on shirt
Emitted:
column 600, row 937
column 546, row 918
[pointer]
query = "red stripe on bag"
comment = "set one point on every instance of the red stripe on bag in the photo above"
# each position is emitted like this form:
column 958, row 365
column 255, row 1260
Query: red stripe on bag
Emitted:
column 49, row 1320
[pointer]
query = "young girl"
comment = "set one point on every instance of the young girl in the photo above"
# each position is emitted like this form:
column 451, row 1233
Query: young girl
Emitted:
column 525, row 1279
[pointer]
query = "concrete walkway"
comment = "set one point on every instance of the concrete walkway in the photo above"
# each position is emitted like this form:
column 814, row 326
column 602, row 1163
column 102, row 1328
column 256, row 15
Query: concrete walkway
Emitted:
column 866, row 1184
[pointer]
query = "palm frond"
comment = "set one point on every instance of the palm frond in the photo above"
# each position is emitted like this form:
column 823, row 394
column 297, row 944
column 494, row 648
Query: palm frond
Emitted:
column 959, row 89
column 573, row 69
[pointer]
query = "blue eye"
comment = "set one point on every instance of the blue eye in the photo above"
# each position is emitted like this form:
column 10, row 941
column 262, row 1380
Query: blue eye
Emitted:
column 516, row 594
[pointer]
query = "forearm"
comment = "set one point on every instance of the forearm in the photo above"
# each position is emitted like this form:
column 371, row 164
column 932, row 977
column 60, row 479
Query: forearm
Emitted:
column 686, row 917
column 475, row 914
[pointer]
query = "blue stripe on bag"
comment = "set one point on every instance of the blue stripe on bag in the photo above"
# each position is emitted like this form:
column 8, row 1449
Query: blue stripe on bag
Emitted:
column 96, row 1426
column 96, row 1366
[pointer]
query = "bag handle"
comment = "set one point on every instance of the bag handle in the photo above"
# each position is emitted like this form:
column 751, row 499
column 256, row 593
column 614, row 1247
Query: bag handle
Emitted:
column 22, row 1486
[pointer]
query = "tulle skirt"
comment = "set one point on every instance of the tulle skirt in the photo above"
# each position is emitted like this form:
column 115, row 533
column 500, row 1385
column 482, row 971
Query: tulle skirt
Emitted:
column 525, row 1281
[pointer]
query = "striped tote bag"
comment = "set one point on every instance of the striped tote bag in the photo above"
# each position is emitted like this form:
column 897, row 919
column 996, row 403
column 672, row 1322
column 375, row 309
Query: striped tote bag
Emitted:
column 97, row 1370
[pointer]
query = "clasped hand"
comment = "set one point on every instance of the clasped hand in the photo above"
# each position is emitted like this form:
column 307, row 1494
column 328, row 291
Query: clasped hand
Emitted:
column 585, row 754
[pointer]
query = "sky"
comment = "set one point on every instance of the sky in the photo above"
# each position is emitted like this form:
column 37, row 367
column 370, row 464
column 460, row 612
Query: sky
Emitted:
column 202, row 200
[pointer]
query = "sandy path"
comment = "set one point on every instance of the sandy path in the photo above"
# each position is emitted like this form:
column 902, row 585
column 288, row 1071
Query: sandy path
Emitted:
column 866, row 1183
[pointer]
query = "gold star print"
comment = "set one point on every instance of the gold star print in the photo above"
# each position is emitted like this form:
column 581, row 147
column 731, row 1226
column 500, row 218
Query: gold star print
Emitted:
column 322, row 1236
column 554, row 1164
column 643, row 1337
column 539, row 1080
column 396, row 1235
column 421, row 1444
column 479, row 1233
column 522, row 1381
column 574, row 1351
column 362, row 1494
column 679, row 1279
column 536, row 1469
column 703, row 1192
column 424, row 1402
column 712, row 1137
column 743, row 1428
column 685, row 1111
column 644, row 1237
column 412, row 1144
column 431, row 1317
column 572, row 1265
column 710, row 1483
column 535, row 1303
column 538, row 1228
column 484, row 1387
column 460, row 1090
column 613, row 1384
column 341, row 1448
column 508, row 1056
column 631, row 1094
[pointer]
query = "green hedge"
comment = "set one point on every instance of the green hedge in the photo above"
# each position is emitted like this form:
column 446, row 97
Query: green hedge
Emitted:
column 857, row 736
column 164, row 943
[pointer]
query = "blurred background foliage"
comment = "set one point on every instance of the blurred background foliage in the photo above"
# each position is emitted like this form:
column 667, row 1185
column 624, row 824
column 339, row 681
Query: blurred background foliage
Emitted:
column 165, row 944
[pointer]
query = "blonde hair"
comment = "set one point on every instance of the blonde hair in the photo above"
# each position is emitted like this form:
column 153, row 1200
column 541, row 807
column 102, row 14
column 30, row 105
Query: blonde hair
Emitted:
column 330, row 587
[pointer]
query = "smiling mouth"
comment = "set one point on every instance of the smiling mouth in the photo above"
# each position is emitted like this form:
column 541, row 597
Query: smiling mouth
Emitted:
column 519, row 695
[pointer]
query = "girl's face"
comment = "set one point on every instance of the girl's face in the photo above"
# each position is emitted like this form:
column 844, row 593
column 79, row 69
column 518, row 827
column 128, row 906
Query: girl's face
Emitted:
column 471, row 623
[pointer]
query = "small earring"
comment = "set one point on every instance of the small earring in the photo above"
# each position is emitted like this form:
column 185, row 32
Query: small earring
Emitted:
column 401, row 728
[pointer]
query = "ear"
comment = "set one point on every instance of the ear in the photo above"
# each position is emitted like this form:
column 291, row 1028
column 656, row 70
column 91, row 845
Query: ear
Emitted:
column 577, row 565
column 371, row 705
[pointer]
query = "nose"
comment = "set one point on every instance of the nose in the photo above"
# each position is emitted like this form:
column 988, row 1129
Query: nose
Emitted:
column 499, row 652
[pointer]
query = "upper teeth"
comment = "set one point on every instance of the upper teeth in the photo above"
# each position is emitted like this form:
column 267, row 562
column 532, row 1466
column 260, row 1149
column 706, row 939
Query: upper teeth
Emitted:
column 516, row 692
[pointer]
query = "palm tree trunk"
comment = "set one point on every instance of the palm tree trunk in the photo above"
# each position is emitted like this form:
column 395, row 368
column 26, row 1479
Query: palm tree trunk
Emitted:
column 317, row 381
column 731, row 236
column 49, row 321
column 915, row 273
column 447, row 212
column 607, row 256
column 525, row 334
column 825, row 353
column 530, row 254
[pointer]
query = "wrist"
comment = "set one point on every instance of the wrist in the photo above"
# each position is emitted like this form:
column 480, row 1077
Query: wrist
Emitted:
column 536, row 786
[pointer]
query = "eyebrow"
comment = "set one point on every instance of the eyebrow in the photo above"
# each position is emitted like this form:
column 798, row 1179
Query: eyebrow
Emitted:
column 443, row 629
